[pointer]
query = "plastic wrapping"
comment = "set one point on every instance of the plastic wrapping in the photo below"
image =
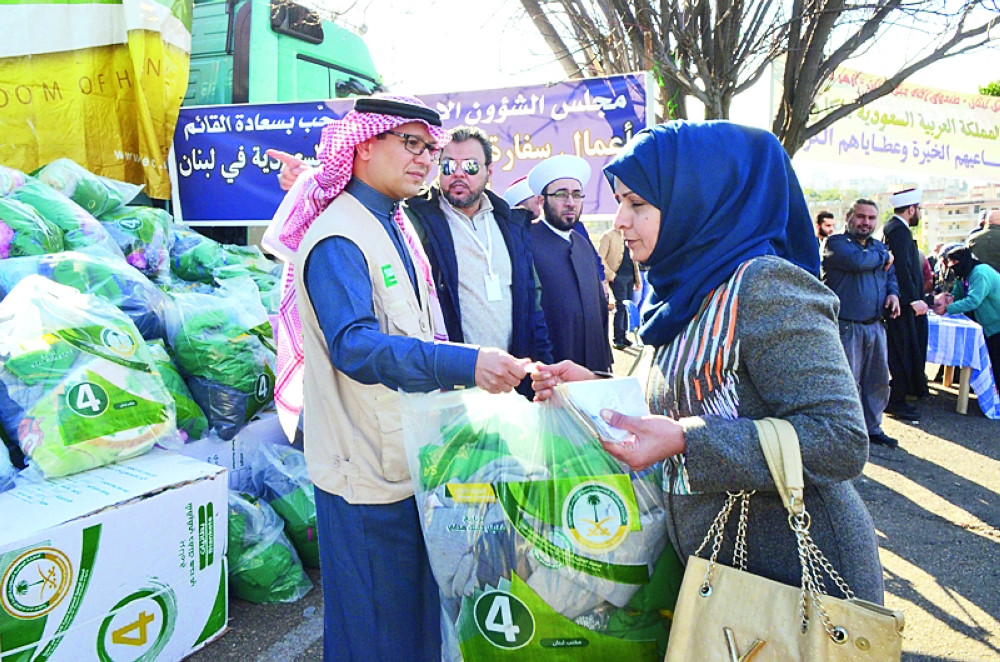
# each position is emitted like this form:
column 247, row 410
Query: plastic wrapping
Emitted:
column 534, row 533
column 280, row 478
column 7, row 470
column 78, row 388
column 23, row 232
column 10, row 180
column 263, row 565
column 267, row 284
column 195, row 257
column 94, row 273
column 191, row 421
column 80, row 228
column 98, row 195
column 143, row 234
column 223, row 347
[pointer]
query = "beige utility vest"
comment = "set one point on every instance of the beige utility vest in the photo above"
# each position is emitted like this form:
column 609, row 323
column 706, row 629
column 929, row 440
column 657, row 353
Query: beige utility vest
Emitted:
column 353, row 435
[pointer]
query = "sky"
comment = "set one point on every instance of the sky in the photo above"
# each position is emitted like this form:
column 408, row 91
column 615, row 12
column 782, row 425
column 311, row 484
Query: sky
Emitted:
column 431, row 46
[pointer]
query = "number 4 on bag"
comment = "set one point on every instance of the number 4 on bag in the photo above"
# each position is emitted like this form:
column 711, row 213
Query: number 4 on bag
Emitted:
column 504, row 620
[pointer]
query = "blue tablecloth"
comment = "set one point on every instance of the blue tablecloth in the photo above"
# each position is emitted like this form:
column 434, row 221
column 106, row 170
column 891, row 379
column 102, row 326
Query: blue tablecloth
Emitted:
column 958, row 341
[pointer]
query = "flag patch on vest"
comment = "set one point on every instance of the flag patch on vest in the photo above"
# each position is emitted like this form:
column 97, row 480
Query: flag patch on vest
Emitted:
column 389, row 276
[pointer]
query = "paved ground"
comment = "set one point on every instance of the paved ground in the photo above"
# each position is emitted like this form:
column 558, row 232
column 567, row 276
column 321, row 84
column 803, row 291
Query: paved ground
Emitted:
column 936, row 506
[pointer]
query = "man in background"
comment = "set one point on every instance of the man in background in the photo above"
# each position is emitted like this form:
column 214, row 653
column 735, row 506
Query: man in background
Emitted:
column 824, row 225
column 623, row 274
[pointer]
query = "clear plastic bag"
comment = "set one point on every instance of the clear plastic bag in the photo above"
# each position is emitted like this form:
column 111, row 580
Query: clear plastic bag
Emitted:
column 534, row 533
column 78, row 388
column 93, row 273
column 280, row 478
column 222, row 344
column 263, row 565
column 191, row 421
column 7, row 470
column 195, row 257
column 10, row 180
column 98, row 195
column 23, row 232
column 267, row 284
column 80, row 228
column 143, row 234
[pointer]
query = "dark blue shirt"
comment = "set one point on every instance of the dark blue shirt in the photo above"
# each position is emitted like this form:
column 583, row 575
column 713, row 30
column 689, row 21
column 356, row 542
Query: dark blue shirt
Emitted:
column 340, row 288
column 857, row 274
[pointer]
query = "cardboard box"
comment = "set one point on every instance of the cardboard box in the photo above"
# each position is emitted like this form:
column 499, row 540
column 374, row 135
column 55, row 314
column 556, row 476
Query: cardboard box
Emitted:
column 236, row 455
column 124, row 562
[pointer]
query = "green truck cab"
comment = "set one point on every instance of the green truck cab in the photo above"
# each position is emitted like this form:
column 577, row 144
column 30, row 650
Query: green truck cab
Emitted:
column 263, row 51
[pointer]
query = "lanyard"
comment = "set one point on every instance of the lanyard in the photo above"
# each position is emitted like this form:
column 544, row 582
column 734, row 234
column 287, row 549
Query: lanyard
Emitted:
column 488, row 248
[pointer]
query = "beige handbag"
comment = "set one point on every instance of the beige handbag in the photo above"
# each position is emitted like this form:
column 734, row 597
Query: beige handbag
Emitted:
column 731, row 615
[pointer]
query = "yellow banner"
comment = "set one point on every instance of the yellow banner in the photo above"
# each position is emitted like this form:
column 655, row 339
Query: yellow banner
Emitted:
column 103, row 88
column 916, row 128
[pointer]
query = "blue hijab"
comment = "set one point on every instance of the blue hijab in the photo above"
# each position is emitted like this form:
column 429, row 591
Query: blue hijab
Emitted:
column 726, row 194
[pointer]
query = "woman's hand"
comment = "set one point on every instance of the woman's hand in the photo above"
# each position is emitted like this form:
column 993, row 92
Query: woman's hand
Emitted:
column 545, row 377
column 655, row 439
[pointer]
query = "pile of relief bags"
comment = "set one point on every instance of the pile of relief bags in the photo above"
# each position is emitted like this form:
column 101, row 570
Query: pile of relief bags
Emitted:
column 119, row 329
column 543, row 546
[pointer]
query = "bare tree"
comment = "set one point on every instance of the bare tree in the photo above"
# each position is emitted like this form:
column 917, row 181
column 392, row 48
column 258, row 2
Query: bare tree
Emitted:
column 713, row 50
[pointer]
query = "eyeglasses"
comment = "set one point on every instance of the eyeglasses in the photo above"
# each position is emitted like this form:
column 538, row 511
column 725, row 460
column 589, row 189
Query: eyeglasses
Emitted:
column 469, row 166
column 563, row 195
column 416, row 145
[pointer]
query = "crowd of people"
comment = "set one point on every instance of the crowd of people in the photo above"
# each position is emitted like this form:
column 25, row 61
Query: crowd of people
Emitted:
column 392, row 287
column 886, row 286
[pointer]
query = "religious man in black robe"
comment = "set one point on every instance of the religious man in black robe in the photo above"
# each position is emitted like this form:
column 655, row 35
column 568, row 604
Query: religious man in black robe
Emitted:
column 573, row 296
column 906, row 335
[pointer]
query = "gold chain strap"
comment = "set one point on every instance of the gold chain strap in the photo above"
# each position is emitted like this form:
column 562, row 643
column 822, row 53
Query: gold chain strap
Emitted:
column 814, row 563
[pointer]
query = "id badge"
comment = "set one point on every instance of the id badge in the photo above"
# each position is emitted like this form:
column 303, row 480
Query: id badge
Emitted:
column 493, row 292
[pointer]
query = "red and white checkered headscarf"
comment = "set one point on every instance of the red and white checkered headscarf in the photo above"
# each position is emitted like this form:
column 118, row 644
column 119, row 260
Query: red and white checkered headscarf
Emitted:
column 307, row 199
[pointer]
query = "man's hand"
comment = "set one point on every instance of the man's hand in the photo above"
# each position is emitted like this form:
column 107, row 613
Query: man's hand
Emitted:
column 497, row 371
column 941, row 303
column 655, row 439
column 545, row 377
column 889, row 262
column 892, row 305
column 919, row 307
column 291, row 168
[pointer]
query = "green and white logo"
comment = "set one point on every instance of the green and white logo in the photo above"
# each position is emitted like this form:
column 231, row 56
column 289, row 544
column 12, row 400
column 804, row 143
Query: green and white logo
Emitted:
column 36, row 582
column 262, row 388
column 559, row 539
column 139, row 626
column 119, row 342
column 87, row 399
column 596, row 517
column 504, row 620
column 130, row 224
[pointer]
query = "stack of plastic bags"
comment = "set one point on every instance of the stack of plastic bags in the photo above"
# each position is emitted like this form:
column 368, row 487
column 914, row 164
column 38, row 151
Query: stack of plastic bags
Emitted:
column 98, row 195
column 94, row 273
column 223, row 347
column 280, row 478
column 78, row 388
column 535, row 534
column 80, row 228
column 263, row 565
column 143, row 234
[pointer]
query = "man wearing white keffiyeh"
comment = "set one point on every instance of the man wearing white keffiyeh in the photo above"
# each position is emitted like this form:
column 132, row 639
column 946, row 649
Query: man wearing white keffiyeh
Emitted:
column 360, row 321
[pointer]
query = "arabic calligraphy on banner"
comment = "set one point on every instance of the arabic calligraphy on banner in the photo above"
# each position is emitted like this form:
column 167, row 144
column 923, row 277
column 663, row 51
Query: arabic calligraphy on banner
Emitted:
column 916, row 128
column 224, row 175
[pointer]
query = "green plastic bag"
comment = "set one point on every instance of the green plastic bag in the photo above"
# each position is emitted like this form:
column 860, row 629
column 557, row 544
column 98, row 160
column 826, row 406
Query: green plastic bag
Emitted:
column 263, row 565
column 534, row 533
column 80, row 228
column 10, row 179
column 98, row 195
column 23, row 232
column 78, row 388
column 143, row 234
column 280, row 477
column 222, row 344
column 191, row 421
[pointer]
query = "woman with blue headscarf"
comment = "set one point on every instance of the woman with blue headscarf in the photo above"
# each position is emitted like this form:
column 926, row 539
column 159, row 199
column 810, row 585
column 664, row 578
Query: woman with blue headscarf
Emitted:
column 742, row 330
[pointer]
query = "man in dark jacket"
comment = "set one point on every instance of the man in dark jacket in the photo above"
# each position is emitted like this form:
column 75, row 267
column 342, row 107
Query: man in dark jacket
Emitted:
column 481, row 254
column 859, row 270
column 985, row 243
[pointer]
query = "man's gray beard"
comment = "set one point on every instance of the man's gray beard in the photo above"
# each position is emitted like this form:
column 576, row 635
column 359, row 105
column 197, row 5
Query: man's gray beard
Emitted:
column 463, row 202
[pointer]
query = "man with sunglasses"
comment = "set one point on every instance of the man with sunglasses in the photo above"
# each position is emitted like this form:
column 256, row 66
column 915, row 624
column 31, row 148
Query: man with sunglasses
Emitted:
column 360, row 323
column 573, row 294
column 480, row 252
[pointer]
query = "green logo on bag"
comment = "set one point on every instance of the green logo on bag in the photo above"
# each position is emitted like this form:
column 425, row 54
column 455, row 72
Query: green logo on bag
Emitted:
column 559, row 539
column 130, row 224
column 119, row 342
column 504, row 620
column 596, row 517
column 87, row 399
column 36, row 582
column 262, row 388
column 389, row 276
